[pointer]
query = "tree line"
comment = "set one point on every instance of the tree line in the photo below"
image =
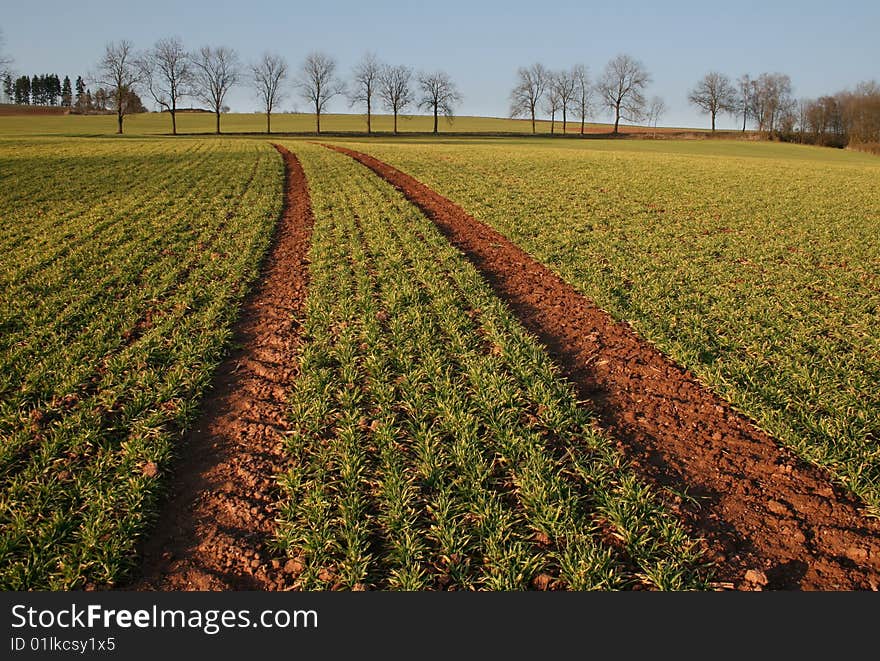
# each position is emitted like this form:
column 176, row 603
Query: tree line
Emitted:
column 170, row 73
column 849, row 117
column 620, row 89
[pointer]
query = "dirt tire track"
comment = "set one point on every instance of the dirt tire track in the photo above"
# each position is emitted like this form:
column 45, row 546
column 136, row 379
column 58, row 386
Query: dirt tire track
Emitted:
column 213, row 534
column 770, row 520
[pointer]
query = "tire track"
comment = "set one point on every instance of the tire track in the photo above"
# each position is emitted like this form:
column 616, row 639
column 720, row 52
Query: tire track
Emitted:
column 215, row 531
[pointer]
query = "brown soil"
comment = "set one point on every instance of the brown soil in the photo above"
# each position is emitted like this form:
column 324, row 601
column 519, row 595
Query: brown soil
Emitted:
column 214, row 532
column 11, row 109
column 769, row 520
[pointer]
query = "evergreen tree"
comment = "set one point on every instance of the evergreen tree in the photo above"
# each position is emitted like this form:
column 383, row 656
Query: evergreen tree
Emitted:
column 66, row 93
column 80, row 100
column 8, row 89
column 23, row 90
column 36, row 90
column 54, row 89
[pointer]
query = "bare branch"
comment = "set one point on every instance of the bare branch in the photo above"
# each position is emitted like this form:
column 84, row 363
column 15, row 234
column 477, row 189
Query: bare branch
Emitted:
column 583, row 99
column 621, row 89
column 118, row 71
column 318, row 83
column 167, row 72
column 713, row 94
column 439, row 95
column 5, row 60
column 395, row 89
column 215, row 72
column 366, row 79
column 656, row 109
column 268, row 76
column 528, row 92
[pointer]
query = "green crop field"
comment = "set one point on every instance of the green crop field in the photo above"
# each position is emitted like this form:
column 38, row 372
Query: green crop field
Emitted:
column 123, row 267
column 434, row 445
column 755, row 265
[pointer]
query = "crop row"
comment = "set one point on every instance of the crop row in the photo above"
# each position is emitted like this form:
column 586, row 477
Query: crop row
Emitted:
column 124, row 265
column 756, row 266
column 434, row 445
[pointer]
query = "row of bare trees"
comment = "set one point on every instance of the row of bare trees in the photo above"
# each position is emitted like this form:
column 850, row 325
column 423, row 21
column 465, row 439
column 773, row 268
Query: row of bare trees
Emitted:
column 766, row 100
column 170, row 73
column 398, row 88
column 620, row 89
column 848, row 117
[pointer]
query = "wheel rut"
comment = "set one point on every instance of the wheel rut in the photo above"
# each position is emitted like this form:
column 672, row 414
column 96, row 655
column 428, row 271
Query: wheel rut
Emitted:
column 215, row 531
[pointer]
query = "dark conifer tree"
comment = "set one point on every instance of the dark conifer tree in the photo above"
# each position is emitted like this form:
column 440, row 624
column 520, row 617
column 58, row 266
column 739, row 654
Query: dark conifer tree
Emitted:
column 66, row 93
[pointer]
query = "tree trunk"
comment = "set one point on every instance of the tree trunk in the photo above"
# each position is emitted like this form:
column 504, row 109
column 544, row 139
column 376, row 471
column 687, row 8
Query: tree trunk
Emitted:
column 583, row 121
column 616, row 119
column 119, row 117
column 435, row 119
column 369, row 127
column 533, row 120
column 217, row 112
column 745, row 115
column 552, row 122
column 564, row 121
column 268, row 122
column 713, row 122
column 395, row 121
column 173, row 117
column 317, row 122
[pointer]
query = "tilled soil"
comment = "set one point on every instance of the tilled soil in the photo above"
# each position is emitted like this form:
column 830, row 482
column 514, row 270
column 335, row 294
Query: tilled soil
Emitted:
column 214, row 532
column 769, row 520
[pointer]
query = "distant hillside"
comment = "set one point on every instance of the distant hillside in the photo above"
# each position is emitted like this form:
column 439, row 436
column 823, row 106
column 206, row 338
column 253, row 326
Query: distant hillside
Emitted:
column 41, row 120
column 15, row 109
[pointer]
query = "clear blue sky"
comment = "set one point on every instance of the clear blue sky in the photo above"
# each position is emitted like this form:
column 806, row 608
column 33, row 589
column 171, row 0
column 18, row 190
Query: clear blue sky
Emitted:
column 824, row 46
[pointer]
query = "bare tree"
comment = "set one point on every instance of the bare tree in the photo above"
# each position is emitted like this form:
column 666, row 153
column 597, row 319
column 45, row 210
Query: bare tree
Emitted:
column 267, row 78
column 566, row 86
column 553, row 100
column 119, row 73
column 528, row 92
column 366, row 80
column 5, row 60
column 439, row 95
column 215, row 72
column 714, row 93
column 395, row 89
column 318, row 83
column 168, row 73
column 622, row 87
column 743, row 98
column 656, row 109
column 583, row 98
column 771, row 100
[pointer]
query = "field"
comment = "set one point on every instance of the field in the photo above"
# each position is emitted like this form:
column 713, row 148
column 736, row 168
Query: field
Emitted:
column 118, row 293
column 754, row 265
column 201, row 122
column 432, row 440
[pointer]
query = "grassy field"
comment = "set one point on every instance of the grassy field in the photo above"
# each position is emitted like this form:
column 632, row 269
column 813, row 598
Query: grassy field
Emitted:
column 123, row 267
column 755, row 265
column 160, row 124
column 434, row 444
